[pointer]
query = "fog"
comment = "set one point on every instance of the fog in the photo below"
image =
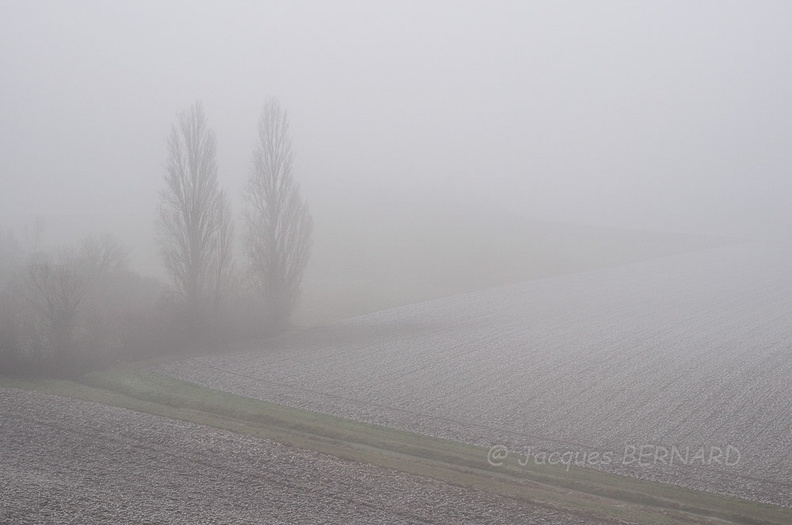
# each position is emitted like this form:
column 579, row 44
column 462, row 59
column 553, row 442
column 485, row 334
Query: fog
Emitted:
column 664, row 116
column 382, row 261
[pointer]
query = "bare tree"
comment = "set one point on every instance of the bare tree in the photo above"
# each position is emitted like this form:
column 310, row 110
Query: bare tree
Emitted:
column 224, row 265
column 279, row 223
column 9, row 255
column 56, row 285
column 100, row 255
column 195, row 228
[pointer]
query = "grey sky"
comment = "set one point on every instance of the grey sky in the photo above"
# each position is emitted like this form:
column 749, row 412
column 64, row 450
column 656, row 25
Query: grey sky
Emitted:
column 663, row 115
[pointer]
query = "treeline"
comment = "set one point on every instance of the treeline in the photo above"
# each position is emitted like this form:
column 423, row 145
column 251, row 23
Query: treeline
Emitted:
column 65, row 311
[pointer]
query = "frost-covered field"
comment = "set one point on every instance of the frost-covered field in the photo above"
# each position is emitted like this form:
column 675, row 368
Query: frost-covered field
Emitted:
column 691, row 351
column 68, row 461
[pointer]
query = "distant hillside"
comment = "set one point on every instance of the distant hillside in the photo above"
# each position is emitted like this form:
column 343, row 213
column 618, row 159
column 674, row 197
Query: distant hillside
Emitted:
column 367, row 259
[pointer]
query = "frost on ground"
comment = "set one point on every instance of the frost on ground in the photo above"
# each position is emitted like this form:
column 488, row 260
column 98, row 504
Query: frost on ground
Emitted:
column 691, row 351
column 69, row 461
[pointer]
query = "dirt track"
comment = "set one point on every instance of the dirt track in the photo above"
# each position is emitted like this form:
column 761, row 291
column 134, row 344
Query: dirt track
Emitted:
column 68, row 461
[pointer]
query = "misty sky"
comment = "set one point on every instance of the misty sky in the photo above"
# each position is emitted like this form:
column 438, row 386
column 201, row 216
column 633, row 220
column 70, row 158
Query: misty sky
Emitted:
column 665, row 115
